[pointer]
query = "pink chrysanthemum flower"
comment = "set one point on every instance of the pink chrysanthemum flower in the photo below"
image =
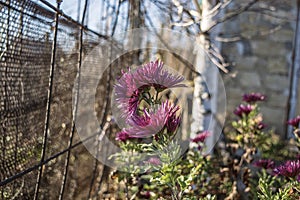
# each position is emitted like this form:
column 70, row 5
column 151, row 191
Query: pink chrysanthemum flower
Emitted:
column 122, row 136
column 253, row 97
column 201, row 137
column 243, row 110
column 151, row 122
column 127, row 94
column 173, row 122
column 136, row 120
column 132, row 83
column 153, row 74
column 294, row 122
column 288, row 169
column 264, row 163
column 155, row 125
column 260, row 126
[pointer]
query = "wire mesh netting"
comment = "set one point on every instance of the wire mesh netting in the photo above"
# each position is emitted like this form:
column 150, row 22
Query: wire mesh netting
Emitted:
column 30, row 38
column 41, row 154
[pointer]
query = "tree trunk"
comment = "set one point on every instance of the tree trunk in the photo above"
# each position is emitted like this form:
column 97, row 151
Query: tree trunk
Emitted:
column 136, row 21
column 205, row 102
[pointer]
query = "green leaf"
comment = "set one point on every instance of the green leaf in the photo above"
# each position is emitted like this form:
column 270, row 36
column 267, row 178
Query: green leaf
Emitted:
column 182, row 182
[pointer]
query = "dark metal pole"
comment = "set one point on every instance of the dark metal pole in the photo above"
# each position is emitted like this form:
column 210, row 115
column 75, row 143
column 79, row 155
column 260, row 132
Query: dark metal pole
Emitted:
column 48, row 107
column 294, row 75
column 63, row 185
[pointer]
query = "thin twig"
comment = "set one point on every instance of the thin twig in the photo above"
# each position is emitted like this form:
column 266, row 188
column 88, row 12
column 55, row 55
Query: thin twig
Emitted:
column 232, row 15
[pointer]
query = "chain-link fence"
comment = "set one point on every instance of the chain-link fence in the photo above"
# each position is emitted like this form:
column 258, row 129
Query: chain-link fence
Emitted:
column 41, row 53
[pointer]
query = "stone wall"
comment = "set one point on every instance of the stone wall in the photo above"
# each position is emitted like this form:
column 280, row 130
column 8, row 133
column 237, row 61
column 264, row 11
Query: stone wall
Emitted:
column 259, row 45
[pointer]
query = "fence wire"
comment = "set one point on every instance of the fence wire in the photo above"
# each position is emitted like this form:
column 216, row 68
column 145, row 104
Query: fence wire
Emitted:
column 40, row 54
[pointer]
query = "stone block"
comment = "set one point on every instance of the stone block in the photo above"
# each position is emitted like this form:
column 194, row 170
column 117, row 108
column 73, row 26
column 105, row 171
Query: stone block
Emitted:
column 236, row 49
column 234, row 93
column 268, row 48
column 230, row 109
column 278, row 100
column 246, row 62
column 272, row 114
column 283, row 35
column 249, row 79
column 230, row 50
column 278, row 65
column 276, row 82
column 275, row 20
column 274, row 117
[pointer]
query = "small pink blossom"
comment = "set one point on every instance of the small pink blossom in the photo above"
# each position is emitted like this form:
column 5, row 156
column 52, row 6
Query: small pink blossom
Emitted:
column 243, row 110
column 151, row 122
column 260, row 126
column 136, row 120
column 122, row 136
column 127, row 94
column 264, row 163
column 130, row 86
column 173, row 123
column 294, row 122
column 288, row 169
column 155, row 75
column 253, row 97
column 201, row 137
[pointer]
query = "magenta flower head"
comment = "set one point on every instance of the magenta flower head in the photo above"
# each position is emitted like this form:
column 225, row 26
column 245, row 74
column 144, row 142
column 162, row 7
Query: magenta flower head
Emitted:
column 243, row 110
column 137, row 120
column 201, row 137
column 122, row 136
column 288, row 169
column 127, row 94
column 264, row 163
column 253, row 97
column 173, row 121
column 294, row 122
column 260, row 126
column 130, row 87
column 152, row 122
column 155, row 75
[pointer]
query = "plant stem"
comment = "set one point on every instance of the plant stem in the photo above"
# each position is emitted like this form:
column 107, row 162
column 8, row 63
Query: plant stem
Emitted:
column 156, row 96
column 126, row 188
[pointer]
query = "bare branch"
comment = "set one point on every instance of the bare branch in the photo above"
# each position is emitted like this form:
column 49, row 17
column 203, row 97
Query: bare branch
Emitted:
column 272, row 13
column 217, row 8
column 179, row 7
column 197, row 6
column 213, row 53
column 259, row 34
column 116, row 19
column 233, row 14
column 189, row 65
column 183, row 24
